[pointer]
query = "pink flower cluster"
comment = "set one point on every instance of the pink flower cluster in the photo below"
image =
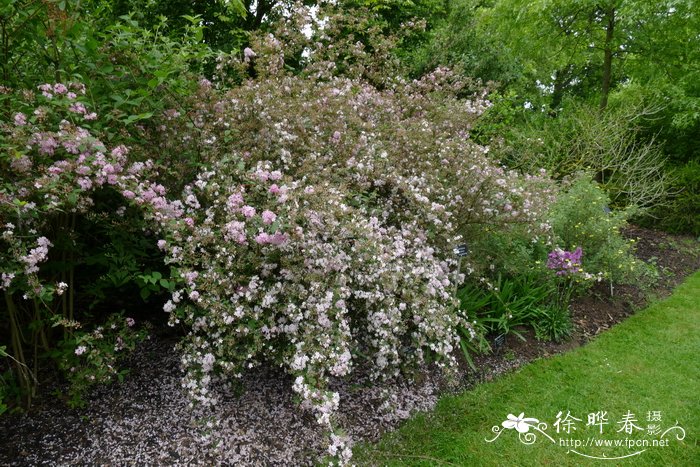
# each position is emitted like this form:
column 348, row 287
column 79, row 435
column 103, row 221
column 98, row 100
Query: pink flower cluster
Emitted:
column 36, row 255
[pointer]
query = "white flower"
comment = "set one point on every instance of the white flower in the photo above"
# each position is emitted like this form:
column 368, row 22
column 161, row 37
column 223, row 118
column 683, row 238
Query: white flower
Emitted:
column 80, row 350
column 521, row 424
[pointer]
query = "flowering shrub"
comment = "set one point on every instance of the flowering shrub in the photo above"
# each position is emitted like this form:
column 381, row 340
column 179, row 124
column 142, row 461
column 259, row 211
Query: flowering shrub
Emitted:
column 319, row 235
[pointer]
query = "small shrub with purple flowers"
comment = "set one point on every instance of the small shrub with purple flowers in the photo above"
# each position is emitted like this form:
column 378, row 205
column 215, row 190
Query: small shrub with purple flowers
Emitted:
column 570, row 275
column 581, row 219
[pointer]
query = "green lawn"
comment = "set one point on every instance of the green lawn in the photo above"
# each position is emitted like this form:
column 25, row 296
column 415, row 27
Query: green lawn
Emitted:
column 649, row 363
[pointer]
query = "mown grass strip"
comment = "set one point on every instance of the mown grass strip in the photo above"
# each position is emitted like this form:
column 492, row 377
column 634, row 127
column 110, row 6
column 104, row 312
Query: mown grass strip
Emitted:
column 649, row 363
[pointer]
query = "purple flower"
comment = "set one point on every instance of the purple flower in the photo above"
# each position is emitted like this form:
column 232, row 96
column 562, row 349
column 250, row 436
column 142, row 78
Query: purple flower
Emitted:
column 47, row 144
column 234, row 201
column 279, row 238
column 263, row 238
column 78, row 108
column 564, row 262
column 85, row 183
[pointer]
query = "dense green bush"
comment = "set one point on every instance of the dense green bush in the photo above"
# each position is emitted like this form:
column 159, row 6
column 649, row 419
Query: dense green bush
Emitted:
column 59, row 180
column 581, row 218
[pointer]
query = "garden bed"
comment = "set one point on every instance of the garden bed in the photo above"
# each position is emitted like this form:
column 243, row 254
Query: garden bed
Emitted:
column 146, row 418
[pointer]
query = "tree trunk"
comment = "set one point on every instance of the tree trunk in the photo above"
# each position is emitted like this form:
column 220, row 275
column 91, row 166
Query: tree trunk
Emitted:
column 607, row 60
column 561, row 79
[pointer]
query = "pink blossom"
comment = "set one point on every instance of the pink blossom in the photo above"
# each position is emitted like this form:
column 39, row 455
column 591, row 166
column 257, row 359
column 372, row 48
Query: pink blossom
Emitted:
column 262, row 175
column 268, row 217
column 248, row 211
column 235, row 231
column 162, row 244
column 248, row 53
column 71, row 146
column 85, row 183
column 20, row 119
column 274, row 189
column 130, row 322
column 190, row 277
column 80, row 350
column 47, row 144
column 279, row 238
column 21, row 164
column 120, row 151
column 263, row 238
column 46, row 90
column 6, row 280
column 78, row 107
column 234, row 201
